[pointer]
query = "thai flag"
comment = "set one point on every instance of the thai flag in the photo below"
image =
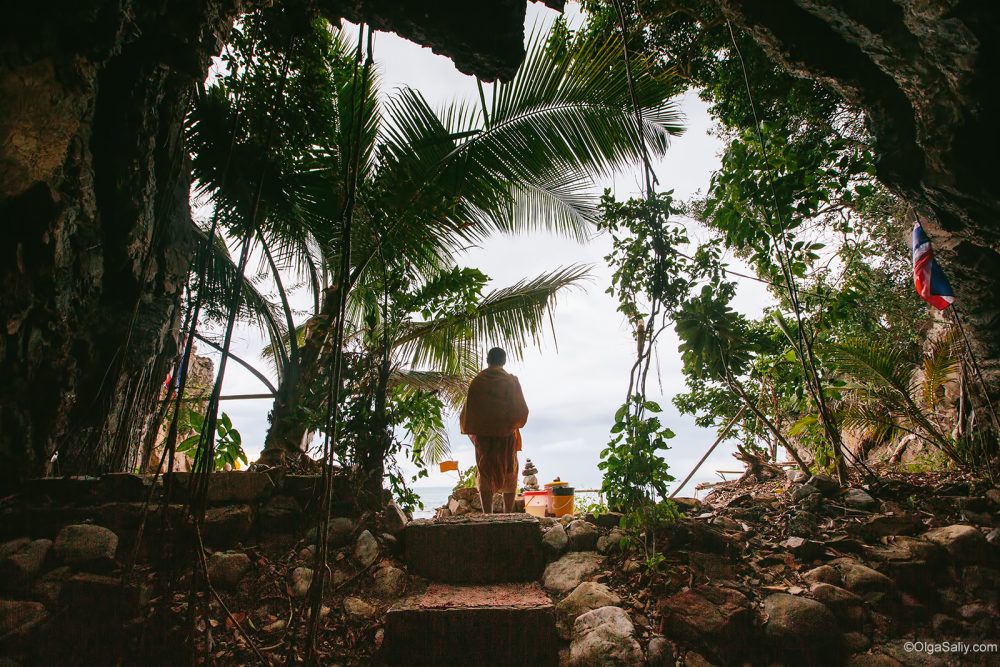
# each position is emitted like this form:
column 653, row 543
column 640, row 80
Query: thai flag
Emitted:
column 928, row 278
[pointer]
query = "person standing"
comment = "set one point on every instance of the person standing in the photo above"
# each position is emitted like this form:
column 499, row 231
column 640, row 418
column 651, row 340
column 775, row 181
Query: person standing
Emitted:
column 493, row 413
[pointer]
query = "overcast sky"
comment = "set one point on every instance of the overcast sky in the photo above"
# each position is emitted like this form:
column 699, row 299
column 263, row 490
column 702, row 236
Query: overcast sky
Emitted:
column 573, row 391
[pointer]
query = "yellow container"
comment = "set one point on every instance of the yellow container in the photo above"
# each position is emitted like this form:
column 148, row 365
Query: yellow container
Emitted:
column 562, row 505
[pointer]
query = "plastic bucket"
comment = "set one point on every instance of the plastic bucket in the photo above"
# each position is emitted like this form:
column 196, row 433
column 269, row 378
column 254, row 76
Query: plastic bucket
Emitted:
column 536, row 502
column 562, row 500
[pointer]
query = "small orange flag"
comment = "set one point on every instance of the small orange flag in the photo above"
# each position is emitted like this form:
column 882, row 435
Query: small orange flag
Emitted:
column 448, row 465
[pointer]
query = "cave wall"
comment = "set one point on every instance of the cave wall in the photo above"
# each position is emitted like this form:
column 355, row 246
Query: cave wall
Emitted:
column 94, row 212
column 926, row 73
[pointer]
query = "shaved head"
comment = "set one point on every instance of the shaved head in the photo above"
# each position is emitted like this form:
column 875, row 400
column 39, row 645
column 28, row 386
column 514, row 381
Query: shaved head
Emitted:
column 496, row 357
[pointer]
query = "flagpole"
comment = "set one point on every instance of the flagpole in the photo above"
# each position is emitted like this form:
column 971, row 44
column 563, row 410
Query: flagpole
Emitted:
column 975, row 368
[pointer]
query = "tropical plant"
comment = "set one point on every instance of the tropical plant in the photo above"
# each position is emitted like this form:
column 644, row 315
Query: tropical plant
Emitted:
column 431, row 183
column 228, row 443
column 887, row 396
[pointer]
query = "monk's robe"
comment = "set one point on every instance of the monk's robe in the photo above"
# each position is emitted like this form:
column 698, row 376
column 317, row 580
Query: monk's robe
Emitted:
column 493, row 412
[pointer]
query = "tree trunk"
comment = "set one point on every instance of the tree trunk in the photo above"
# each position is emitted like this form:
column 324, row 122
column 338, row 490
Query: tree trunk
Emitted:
column 302, row 391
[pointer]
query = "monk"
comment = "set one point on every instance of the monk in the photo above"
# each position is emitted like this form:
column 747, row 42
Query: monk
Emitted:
column 494, row 410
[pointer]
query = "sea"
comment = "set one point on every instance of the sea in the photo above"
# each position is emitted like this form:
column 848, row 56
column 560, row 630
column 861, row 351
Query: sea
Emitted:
column 432, row 497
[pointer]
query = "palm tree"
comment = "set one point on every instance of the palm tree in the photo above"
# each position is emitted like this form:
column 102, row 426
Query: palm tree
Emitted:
column 887, row 395
column 430, row 184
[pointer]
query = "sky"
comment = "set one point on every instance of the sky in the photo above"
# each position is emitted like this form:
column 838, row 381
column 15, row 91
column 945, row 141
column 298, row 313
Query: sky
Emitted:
column 576, row 380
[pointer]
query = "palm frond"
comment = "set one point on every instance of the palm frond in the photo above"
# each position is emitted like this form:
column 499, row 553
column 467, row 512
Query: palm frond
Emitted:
column 510, row 317
column 220, row 280
column 451, row 387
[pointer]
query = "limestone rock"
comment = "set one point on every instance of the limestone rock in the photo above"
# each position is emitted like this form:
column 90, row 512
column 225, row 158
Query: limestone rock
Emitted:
column 801, row 628
column 366, row 549
column 226, row 526
column 340, row 532
column 565, row 574
column 824, row 484
column 555, row 539
column 394, row 519
column 19, row 569
column 964, row 544
column 860, row 500
column 48, row 588
column 713, row 617
column 824, row 574
column 802, row 524
column 802, row 491
column 358, row 609
column 605, row 637
column 845, row 605
column 280, row 514
column 18, row 618
column 611, row 542
column 860, row 578
column 660, row 653
column 85, row 543
column 390, row 581
column 582, row 536
column 585, row 597
column 227, row 568
column 300, row 581
column 13, row 546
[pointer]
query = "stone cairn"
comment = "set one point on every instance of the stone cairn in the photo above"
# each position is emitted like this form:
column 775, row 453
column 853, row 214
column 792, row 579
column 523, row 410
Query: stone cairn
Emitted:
column 530, row 474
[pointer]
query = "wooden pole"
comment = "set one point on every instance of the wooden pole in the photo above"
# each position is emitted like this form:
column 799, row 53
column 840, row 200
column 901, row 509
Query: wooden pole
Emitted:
column 711, row 449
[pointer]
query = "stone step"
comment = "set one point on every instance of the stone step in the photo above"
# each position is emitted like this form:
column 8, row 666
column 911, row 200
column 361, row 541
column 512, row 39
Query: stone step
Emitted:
column 495, row 625
column 475, row 548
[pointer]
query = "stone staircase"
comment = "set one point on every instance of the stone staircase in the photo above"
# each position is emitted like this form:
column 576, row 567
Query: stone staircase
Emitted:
column 483, row 605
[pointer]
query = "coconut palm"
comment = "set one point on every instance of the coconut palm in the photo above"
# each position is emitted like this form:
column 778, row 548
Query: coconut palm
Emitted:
column 432, row 183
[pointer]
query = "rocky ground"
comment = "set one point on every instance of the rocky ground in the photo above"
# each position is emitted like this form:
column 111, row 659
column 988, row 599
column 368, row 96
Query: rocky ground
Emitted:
column 789, row 572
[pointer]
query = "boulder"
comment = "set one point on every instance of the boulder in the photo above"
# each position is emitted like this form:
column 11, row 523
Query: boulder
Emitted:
column 884, row 525
column 802, row 524
column 565, row 574
column 48, row 588
column 661, row 653
column 804, row 549
column 227, row 526
column 357, row 609
column 230, row 487
column 801, row 630
column 20, row 568
column 611, row 542
column 714, row 618
column 394, row 519
column 802, row 491
column 96, row 599
column 824, row 574
column 389, row 581
column 845, row 605
column 824, row 484
column 582, row 536
column 964, row 544
column 280, row 514
column 13, row 546
column 586, row 597
column 299, row 582
column 227, row 568
column 85, row 544
column 340, row 532
column 605, row 637
column 555, row 539
column 366, row 549
column 18, row 618
column 859, row 578
column 860, row 500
